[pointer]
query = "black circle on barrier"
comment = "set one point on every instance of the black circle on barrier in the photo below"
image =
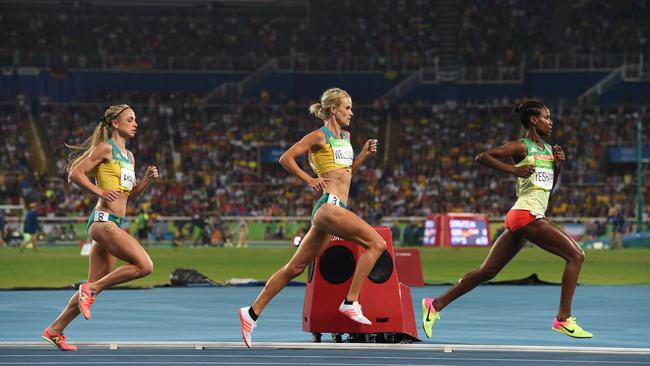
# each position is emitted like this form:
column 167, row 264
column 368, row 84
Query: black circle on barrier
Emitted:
column 336, row 265
column 310, row 270
column 383, row 268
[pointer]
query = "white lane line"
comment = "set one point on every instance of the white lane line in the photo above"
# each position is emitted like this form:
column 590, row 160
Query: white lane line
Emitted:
column 340, row 346
column 378, row 358
column 237, row 363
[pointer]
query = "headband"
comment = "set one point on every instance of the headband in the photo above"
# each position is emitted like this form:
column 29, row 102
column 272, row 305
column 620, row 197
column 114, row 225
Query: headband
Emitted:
column 106, row 120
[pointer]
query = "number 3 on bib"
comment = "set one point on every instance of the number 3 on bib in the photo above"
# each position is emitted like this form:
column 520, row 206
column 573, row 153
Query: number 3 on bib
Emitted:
column 333, row 200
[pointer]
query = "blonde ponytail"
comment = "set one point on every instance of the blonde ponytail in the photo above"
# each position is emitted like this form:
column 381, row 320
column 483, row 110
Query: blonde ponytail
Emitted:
column 316, row 109
column 102, row 133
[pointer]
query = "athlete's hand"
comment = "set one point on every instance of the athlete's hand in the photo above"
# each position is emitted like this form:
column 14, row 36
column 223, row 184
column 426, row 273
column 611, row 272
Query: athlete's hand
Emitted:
column 152, row 173
column 558, row 155
column 524, row 171
column 370, row 147
column 109, row 196
column 318, row 184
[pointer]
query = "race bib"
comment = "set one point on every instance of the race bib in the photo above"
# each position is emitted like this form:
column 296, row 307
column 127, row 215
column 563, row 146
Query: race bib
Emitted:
column 127, row 175
column 343, row 153
column 100, row 216
column 333, row 200
column 543, row 178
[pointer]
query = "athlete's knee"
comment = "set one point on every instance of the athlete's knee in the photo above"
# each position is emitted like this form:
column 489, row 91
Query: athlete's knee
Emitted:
column 378, row 244
column 577, row 257
column 145, row 268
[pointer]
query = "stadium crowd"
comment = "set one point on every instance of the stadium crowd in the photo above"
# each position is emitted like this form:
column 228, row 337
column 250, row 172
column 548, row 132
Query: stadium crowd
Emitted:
column 492, row 32
column 218, row 159
column 441, row 141
column 213, row 160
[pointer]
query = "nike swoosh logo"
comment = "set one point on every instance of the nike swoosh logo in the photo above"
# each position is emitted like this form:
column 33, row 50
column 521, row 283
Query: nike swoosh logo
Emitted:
column 567, row 329
column 428, row 312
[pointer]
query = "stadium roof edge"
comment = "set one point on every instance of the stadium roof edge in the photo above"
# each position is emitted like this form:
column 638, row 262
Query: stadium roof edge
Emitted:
column 174, row 3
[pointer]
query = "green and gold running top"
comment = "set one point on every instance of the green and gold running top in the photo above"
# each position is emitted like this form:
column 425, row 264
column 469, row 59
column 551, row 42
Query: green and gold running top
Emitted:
column 337, row 153
column 117, row 174
column 533, row 192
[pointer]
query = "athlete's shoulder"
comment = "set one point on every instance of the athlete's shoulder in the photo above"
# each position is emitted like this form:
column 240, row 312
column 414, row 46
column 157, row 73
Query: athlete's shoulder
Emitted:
column 103, row 148
column 318, row 136
column 320, row 131
column 517, row 147
column 518, row 143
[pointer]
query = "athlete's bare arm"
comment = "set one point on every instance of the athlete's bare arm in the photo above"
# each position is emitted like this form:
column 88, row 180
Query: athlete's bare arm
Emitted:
column 140, row 185
column 558, row 161
column 515, row 150
column 101, row 153
column 369, row 148
column 313, row 140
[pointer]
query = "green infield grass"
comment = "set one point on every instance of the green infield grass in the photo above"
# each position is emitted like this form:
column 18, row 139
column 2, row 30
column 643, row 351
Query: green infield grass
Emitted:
column 63, row 266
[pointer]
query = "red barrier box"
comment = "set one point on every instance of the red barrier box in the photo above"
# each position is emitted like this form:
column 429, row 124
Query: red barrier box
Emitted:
column 385, row 301
column 409, row 267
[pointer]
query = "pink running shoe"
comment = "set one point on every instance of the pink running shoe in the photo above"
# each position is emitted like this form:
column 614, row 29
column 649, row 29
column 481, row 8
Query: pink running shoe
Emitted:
column 57, row 340
column 247, row 325
column 86, row 299
column 354, row 312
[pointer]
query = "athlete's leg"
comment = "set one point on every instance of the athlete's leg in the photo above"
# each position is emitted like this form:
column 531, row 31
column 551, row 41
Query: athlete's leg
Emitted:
column 26, row 240
column 347, row 225
column 100, row 263
column 310, row 247
column 551, row 238
column 123, row 246
column 503, row 250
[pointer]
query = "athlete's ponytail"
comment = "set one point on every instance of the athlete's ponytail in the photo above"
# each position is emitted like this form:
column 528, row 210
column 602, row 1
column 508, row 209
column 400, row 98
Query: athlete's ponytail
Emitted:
column 316, row 109
column 102, row 133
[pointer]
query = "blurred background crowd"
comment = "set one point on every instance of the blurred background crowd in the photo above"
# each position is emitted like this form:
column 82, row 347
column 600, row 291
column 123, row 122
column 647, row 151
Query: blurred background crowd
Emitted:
column 214, row 157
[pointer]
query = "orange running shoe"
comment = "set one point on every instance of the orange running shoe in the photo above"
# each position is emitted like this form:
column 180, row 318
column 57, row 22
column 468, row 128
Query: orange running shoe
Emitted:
column 86, row 299
column 57, row 340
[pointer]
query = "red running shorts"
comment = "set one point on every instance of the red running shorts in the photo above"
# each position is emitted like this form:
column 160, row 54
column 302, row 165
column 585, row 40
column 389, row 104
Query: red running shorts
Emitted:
column 516, row 219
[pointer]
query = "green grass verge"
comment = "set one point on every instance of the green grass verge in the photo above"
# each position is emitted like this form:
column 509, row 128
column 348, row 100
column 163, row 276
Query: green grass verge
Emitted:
column 62, row 266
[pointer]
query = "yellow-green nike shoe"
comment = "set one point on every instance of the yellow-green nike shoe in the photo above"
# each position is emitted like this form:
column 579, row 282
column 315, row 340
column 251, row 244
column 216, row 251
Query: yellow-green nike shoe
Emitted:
column 570, row 328
column 429, row 316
